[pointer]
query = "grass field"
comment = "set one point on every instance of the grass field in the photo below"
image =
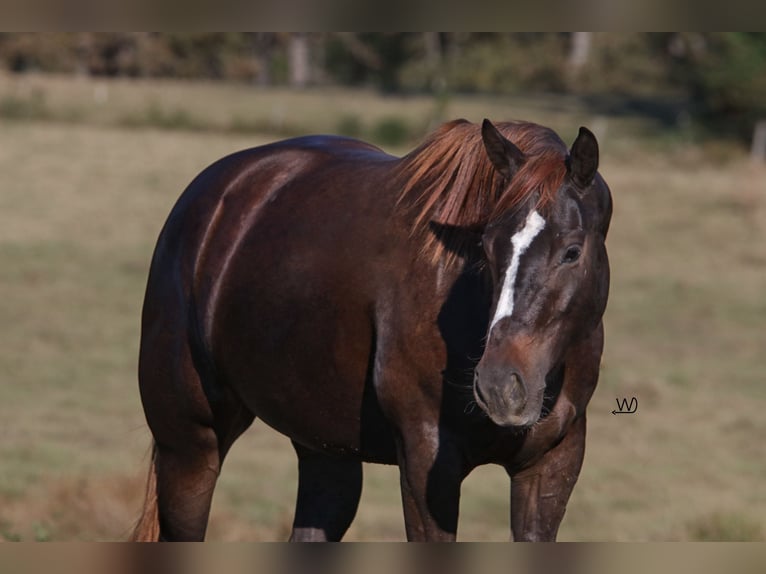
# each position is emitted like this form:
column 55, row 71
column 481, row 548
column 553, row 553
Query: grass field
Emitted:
column 89, row 171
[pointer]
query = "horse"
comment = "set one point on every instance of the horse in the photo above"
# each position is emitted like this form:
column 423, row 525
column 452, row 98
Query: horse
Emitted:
column 437, row 311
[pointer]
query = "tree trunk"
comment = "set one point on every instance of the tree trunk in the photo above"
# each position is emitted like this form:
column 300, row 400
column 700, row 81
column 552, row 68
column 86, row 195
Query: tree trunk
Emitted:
column 580, row 49
column 758, row 148
column 433, row 49
column 261, row 43
column 298, row 58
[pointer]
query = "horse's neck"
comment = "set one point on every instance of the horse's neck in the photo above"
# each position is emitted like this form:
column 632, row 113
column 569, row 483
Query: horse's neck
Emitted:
column 463, row 316
column 463, row 289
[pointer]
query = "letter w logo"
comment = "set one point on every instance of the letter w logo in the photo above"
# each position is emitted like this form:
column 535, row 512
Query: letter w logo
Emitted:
column 625, row 407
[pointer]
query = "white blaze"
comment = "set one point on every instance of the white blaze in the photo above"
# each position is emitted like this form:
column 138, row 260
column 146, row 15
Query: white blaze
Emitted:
column 521, row 240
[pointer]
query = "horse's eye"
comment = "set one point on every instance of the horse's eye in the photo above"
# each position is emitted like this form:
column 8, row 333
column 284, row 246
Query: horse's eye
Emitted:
column 572, row 254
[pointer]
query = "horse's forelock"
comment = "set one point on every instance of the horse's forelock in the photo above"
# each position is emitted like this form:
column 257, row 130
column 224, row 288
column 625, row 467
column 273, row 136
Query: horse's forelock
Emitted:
column 450, row 180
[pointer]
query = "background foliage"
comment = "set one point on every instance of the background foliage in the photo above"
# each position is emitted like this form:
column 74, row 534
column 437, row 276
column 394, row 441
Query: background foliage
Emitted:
column 717, row 80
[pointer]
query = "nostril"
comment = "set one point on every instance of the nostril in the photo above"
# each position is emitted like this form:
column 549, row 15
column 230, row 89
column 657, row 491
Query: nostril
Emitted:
column 518, row 393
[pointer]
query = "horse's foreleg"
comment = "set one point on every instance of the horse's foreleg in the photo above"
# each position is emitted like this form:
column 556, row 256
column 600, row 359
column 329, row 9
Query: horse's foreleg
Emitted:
column 539, row 493
column 431, row 472
column 328, row 496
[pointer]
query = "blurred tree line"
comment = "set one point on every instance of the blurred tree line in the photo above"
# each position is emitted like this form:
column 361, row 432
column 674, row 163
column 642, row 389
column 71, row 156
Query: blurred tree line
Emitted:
column 720, row 77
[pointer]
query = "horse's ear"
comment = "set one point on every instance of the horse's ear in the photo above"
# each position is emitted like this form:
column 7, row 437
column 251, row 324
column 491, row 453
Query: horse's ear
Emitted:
column 583, row 158
column 505, row 156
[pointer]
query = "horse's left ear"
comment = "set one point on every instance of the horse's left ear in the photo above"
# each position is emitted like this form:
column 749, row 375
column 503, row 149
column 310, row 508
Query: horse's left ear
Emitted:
column 503, row 154
column 583, row 158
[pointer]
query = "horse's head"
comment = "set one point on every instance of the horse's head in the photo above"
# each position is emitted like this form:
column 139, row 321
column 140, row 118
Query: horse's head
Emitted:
column 550, row 275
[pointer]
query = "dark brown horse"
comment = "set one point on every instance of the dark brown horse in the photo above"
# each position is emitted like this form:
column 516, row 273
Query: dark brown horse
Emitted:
column 364, row 305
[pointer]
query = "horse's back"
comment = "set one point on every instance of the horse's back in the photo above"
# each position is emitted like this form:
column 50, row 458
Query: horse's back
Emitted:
column 229, row 196
column 254, row 174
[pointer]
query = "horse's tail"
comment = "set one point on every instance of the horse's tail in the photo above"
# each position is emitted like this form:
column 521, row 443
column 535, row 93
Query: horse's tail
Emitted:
column 148, row 527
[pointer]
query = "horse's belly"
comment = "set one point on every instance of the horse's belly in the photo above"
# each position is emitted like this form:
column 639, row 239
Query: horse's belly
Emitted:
column 335, row 431
column 330, row 415
column 305, row 369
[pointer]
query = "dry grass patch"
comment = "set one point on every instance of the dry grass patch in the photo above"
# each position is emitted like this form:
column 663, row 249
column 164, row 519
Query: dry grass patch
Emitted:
column 725, row 527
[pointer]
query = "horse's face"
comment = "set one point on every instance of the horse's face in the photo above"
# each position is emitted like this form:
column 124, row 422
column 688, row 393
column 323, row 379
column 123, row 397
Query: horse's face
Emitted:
column 551, row 280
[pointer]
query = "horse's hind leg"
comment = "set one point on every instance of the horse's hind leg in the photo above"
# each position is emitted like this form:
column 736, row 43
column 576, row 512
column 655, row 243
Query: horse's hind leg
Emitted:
column 328, row 496
column 185, row 482
column 188, row 466
column 192, row 434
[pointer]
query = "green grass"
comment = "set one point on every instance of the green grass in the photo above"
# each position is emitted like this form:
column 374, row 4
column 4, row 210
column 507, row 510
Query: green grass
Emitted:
column 82, row 201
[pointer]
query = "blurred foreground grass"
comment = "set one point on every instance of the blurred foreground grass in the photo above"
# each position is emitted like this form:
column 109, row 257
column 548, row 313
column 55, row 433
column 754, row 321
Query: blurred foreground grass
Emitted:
column 84, row 195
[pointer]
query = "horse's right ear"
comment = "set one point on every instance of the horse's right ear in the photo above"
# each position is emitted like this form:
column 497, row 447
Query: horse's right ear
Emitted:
column 583, row 158
column 503, row 154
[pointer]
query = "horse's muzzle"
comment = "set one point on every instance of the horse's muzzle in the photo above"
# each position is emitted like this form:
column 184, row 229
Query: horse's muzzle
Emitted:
column 504, row 397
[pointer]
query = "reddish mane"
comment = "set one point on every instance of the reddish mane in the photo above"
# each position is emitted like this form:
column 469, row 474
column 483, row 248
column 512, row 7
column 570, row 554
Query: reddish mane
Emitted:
column 450, row 180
